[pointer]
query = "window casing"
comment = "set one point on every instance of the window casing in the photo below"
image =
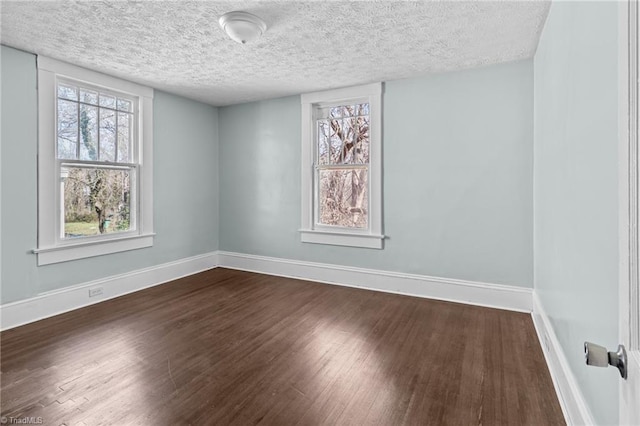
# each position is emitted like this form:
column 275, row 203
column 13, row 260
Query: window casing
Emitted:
column 341, row 167
column 95, row 192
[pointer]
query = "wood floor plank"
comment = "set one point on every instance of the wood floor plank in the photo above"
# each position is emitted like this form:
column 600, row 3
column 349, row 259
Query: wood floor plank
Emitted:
column 229, row 347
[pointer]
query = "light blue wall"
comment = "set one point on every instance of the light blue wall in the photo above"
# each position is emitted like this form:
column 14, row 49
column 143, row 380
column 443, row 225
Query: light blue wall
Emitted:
column 18, row 173
column 575, row 189
column 185, row 188
column 457, row 178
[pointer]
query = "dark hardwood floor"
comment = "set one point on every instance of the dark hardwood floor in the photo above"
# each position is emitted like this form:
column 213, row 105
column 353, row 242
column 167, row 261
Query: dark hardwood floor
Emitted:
column 228, row 347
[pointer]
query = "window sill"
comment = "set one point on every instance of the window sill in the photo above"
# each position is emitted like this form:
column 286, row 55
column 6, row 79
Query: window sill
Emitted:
column 65, row 253
column 341, row 238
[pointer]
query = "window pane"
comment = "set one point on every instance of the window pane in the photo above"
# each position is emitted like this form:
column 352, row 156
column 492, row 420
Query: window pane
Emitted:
column 88, row 132
column 89, row 97
column 343, row 198
column 107, row 135
column 336, row 112
column 348, row 110
column 124, row 137
column 67, row 129
column 67, row 92
column 362, row 145
column 96, row 201
column 323, row 142
column 347, row 130
column 107, row 101
column 335, row 142
column 124, row 105
column 362, row 109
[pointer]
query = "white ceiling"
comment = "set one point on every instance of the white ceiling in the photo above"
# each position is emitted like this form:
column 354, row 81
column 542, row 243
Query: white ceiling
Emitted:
column 177, row 46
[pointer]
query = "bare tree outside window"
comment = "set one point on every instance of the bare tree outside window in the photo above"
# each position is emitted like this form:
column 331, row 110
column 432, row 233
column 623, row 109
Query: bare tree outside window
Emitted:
column 94, row 144
column 343, row 165
column 96, row 201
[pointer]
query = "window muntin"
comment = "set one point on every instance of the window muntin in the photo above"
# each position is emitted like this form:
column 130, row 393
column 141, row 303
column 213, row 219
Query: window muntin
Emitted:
column 341, row 176
column 96, row 162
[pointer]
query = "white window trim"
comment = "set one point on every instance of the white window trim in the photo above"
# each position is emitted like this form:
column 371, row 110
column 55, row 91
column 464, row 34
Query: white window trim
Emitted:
column 310, row 233
column 50, row 250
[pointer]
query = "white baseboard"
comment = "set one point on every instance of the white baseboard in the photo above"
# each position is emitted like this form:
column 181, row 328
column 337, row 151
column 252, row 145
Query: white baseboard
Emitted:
column 574, row 407
column 67, row 299
column 470, row 292
column 59, row 301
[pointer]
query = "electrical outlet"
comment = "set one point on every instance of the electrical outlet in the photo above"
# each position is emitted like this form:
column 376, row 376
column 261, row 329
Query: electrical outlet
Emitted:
column 96, row 291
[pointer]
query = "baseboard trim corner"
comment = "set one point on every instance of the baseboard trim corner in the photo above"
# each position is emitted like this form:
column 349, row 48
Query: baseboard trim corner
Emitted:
column 56, row 302
column 574, row 407
column 453, row 290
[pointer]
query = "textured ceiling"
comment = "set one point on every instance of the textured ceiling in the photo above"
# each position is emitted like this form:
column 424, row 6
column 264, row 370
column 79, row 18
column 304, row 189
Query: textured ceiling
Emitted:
column 179, row 47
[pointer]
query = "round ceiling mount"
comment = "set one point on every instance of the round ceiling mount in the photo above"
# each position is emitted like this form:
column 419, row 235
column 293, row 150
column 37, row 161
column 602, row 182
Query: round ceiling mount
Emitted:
column 242, row 27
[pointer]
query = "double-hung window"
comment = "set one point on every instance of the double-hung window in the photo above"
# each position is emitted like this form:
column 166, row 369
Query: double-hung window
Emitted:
column 341, row 170
column 94, row 163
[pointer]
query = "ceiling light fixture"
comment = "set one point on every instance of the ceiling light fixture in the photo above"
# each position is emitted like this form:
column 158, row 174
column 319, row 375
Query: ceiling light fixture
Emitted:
column 242, row 27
